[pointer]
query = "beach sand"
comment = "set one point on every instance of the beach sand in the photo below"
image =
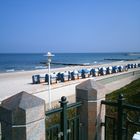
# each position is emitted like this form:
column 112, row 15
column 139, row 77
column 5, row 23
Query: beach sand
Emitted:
column 13, row 83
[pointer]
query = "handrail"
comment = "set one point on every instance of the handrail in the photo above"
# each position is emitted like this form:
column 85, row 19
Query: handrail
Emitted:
column 131, row 107
column 74, row 105
column 109, row 103
column 121, row 106
column 64, row 107
column 125, row 106
column 56, row 110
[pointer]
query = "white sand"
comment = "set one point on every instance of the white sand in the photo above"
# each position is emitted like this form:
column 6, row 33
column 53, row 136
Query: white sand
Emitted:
column 13, row 83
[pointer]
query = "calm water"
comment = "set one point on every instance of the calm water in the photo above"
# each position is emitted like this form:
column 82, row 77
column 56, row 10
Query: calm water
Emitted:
column 23, row 62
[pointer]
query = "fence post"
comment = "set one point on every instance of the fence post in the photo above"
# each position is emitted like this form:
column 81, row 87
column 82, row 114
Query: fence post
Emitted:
column 22, row 117
column 92, row 113
column 63, row 118
column 120, row 117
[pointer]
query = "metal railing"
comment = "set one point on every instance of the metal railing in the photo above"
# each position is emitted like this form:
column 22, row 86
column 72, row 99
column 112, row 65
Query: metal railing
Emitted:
column 64, row 123
column 122, row 125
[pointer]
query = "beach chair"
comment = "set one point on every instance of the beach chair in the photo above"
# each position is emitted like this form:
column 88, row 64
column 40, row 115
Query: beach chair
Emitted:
column 102, row 71
column 115, row 69
column 109, row 70
column 46, row 78
column 42, row 78
column 121, row 68
column 74, row 75
column 59, row 75
column 91, row 72
column 65, row 76
column 125, row 68
column 94, row 72
column 132, row 65
column 135, row 65
column 129, row 66
column 80, row 73
column 53, row 78
column 88, row 70
column 36, row 79
column 85, row 73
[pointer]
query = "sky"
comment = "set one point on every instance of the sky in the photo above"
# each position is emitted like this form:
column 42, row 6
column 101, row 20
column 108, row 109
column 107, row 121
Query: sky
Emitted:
column 34, row 26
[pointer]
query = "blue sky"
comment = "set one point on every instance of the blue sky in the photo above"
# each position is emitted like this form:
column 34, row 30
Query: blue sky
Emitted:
column 69, row 26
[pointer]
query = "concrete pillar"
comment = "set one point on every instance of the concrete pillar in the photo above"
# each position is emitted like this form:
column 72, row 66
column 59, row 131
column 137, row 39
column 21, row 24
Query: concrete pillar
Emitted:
column 23, row 117
column 91, row 112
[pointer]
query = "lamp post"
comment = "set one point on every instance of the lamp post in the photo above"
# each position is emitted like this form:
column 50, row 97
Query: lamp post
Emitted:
column 49, row 55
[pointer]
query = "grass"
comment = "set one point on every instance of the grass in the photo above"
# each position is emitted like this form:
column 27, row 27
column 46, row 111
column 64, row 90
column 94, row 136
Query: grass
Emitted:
column 131, row 94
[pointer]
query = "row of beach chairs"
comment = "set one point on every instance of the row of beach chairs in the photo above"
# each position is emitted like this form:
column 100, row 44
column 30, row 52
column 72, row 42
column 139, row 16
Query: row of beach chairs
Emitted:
column 79, row 74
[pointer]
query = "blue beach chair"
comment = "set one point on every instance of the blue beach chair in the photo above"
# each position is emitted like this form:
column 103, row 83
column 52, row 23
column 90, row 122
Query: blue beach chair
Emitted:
column 74, row 75
column 102, row 71
column 109, row 70
column 85, row 73
column 121, row 68
column 115, row 69
column 132, row 65
column 53, row 78
column 36, row 79
column 65, row 76
column 94, row 72
column 129, row 66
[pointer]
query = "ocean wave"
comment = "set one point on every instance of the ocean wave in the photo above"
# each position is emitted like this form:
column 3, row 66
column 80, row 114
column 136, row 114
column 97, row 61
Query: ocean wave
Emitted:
column 86, row 64
column 10, row 70
column 40, row 67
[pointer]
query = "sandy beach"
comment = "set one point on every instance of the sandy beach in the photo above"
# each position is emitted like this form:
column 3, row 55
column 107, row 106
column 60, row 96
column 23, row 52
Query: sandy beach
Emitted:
column 13, row 83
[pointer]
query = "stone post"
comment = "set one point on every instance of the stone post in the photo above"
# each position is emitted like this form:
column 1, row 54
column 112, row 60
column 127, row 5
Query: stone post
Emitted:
column 23, row 117
column 91, row 112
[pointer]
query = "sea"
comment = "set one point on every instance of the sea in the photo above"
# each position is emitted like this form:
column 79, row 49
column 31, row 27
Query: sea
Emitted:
column 11, row 62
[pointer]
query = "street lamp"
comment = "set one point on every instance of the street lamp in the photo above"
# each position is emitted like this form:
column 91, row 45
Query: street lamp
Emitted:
column 49, row 55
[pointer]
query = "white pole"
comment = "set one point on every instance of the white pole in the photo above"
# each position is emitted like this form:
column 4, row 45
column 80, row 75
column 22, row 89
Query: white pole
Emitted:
column 49, row 55
column 49, row 86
